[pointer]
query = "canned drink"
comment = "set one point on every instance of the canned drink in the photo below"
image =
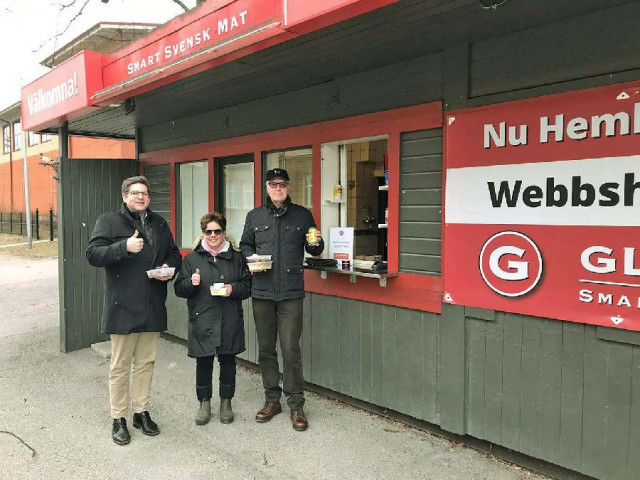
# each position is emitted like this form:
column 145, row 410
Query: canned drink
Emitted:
column 312, row 238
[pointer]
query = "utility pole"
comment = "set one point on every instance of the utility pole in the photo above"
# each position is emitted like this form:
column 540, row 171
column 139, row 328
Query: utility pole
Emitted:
column 27, row 203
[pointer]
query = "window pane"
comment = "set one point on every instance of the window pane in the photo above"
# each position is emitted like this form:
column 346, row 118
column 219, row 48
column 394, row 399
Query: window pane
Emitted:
column 237, row 179
column 17, row 136
column 6, row 139
column 45, row 137
column 298, row 164
column 193, row 200
column 33, row 139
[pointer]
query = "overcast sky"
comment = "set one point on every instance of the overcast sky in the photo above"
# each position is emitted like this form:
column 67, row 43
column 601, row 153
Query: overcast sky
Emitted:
column 25, row 25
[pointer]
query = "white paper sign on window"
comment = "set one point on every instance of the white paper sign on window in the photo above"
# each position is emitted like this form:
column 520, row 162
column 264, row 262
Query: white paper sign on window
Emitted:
column 341, row 243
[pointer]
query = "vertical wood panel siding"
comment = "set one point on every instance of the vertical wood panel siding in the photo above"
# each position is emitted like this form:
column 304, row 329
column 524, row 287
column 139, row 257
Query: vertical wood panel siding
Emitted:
column 549, row 389
column 581, row 47
column 402, row 84
column 159, row 177
column 554, row 390
column 421, row 201
column 88, row 189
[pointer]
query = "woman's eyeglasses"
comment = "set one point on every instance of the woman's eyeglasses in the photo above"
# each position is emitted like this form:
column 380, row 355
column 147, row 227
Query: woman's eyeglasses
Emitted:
column 217, row 231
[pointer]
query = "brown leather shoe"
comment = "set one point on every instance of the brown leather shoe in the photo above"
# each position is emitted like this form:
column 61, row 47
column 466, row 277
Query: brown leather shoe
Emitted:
column 298, row 420
column 268, row 411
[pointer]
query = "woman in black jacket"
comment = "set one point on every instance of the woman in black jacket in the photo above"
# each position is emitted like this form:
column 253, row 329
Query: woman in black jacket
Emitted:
column 214, row 279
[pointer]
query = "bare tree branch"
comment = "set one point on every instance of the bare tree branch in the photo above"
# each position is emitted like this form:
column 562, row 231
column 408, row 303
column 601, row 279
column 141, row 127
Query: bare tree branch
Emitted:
column 184, row 7
column 59, row 34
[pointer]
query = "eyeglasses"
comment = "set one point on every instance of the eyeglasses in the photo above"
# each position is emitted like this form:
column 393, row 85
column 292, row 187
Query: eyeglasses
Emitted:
column 139, row 194
column 275, row 185
column 217, row 231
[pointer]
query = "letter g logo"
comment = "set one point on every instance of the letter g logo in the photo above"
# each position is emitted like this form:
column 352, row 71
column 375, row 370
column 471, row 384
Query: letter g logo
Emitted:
column 510, row 264
column 518, row 270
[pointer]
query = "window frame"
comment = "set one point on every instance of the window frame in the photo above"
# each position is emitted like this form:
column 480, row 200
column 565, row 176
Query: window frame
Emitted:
column 17, row 137
column 6, row 139
column 265, row 166
column 33, row 139
column 178, row 198
column 409, row 290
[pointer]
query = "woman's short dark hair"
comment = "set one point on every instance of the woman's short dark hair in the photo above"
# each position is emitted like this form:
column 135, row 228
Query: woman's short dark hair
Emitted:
column 213, row 217
column 126, row 184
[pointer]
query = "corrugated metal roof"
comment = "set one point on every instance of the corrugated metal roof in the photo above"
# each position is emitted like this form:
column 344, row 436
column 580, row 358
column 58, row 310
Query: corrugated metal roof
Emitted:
column 104, row 37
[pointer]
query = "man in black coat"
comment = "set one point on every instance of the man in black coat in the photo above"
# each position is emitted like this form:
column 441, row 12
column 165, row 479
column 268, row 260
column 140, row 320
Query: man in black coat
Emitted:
column 279, row 228
column 128, row 243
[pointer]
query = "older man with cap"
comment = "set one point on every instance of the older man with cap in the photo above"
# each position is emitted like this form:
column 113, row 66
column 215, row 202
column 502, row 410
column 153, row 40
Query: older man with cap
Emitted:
column 279, row 228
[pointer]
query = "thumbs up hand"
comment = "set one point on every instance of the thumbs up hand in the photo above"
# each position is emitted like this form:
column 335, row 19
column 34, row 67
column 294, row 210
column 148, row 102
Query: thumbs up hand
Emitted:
column 134, row 244
column 195, row 278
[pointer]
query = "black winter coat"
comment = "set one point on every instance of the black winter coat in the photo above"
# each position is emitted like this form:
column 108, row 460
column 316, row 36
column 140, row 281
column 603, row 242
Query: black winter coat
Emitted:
column 216, row 323
column 133, row 302
column 281, row 233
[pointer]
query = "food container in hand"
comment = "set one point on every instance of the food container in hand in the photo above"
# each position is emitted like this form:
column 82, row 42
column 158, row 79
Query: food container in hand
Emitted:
column 255, row 267
column 218, row 289
column 259, row 263
column 161, row 272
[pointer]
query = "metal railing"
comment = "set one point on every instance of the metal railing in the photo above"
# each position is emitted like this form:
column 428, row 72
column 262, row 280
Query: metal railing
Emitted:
column 41, row 225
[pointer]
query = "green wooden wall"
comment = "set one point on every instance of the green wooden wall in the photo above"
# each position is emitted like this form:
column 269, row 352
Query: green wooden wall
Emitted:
column 88, row 188
column 559, row 391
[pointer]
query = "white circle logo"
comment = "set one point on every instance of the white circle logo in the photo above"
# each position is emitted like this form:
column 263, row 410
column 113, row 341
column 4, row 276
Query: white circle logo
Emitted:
column 510, row 264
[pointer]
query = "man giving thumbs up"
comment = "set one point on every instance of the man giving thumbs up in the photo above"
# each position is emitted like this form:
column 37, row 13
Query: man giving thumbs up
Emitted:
column 127, row 243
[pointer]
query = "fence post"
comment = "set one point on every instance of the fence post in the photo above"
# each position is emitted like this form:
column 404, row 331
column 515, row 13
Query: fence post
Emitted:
column 20, row 223
column 51, row 224
column 37, row 223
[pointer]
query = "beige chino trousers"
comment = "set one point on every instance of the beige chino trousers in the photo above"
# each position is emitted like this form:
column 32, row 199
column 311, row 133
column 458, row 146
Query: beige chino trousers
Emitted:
column 133, row 357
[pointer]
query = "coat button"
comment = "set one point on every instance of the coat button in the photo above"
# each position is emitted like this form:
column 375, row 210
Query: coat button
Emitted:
column 197, row 314
column 221, row 277
column 115, row 303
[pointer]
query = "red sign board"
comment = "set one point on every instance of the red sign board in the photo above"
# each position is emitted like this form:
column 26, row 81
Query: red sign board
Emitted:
column 542, row 207
column 64, row 91
column 193, row 39
column 299, row 11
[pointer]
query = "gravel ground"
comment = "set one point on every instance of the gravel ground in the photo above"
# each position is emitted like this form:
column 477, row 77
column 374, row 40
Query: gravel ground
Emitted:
column 54, row 416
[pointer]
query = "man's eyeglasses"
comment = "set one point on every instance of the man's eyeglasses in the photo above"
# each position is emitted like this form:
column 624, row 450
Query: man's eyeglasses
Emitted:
column 275, row 185
column 139, row 194
column 217, row 231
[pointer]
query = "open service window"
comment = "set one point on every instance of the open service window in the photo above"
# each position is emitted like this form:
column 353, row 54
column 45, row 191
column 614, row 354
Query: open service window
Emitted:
column 355, row 194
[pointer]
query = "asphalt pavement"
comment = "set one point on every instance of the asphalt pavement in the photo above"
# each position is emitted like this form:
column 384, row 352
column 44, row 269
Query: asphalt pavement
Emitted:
column 54, row 416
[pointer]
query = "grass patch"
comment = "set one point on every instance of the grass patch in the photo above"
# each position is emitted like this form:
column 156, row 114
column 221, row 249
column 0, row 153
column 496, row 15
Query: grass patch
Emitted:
column 39, row 249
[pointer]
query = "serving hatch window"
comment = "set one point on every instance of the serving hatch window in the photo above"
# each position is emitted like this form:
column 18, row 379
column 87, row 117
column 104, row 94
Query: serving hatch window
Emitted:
column 354, row 193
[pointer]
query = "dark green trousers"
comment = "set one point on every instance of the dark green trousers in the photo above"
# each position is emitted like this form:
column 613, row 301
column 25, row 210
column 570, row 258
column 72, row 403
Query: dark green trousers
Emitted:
column 283, row 321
